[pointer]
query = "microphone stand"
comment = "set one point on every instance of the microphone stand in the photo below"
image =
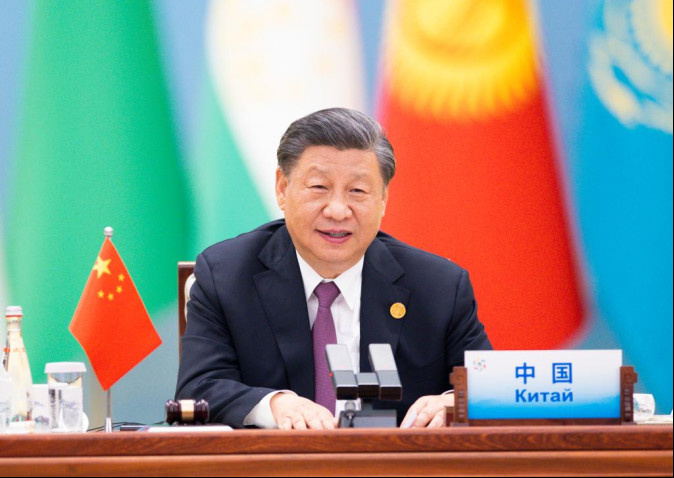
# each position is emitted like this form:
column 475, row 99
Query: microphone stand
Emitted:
column 383, row 384
column 367, row 416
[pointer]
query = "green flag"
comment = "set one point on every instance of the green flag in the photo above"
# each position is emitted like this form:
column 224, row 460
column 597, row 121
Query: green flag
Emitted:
column 96, row 147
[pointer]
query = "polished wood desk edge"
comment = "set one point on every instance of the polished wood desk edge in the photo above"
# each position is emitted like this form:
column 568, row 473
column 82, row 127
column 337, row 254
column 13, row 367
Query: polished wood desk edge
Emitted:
column 545, row 463
column 478, row 439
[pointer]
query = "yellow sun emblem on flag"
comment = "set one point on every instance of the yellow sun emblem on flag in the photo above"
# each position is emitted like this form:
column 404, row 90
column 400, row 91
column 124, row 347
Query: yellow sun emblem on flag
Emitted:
column 460, row 59
column 630, row 62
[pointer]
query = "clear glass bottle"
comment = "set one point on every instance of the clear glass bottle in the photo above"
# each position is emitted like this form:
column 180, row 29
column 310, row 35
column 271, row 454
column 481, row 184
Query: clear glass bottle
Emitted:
column 16, row 364
column 5, row 396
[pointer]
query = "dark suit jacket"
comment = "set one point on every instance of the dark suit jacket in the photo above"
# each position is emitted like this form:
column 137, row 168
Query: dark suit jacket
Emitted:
column 248, row 326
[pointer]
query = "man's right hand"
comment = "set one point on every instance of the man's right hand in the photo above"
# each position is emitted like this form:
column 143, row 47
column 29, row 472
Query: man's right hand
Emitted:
column 293, row 412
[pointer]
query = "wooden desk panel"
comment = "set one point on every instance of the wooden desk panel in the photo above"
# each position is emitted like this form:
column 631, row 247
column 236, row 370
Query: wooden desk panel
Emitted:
column 520, row 451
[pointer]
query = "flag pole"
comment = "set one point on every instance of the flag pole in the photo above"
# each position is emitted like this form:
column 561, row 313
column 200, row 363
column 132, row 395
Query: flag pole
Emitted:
column 108, row 417
column 107, row 232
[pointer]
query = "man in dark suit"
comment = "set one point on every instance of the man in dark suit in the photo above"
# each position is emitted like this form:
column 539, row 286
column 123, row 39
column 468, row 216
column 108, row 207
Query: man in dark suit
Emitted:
column 247, row 348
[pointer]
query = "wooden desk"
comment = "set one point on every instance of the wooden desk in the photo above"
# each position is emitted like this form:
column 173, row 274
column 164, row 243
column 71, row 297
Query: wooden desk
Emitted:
column 533, row 451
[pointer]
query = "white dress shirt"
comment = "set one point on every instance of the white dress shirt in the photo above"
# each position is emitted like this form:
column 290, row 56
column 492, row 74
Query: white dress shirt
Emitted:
column 346, row 315
column 345, row 309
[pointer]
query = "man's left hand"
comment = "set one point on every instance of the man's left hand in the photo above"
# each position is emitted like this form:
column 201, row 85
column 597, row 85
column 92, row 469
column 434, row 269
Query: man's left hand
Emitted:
column 428, row 411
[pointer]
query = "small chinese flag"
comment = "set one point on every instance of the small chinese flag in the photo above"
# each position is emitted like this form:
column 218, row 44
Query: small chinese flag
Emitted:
column 111, row 322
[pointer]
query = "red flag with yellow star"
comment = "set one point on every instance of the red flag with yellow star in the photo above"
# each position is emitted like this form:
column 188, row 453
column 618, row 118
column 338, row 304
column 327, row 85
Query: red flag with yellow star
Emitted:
column 111, row 322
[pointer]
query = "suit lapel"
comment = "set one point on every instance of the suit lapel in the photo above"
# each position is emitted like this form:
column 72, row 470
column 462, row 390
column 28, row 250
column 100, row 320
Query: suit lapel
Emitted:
column 282, row 296
column 377, row 326
column 281, row 292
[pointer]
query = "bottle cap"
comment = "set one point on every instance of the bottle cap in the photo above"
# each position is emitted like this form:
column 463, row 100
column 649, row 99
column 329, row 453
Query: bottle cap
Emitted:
column 64, row 367
column 13, row 311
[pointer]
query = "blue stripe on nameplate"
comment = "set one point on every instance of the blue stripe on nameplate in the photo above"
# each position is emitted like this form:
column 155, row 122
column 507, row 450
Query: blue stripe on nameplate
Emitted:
column 522, row 384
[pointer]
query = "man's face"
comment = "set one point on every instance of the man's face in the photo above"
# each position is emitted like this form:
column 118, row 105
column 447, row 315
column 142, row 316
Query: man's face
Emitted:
column 333, row 202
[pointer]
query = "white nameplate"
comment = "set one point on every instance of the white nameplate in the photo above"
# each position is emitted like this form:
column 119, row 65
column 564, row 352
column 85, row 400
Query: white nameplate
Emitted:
column 504, row 384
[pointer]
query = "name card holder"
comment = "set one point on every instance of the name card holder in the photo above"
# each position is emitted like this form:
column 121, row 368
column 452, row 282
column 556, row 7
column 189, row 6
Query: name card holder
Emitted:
column 542, row 387
column 458, row 414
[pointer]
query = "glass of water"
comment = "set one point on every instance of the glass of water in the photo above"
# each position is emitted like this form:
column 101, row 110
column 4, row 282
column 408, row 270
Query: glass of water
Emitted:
column 64, row 382
column 644, row 406
column 41, row 408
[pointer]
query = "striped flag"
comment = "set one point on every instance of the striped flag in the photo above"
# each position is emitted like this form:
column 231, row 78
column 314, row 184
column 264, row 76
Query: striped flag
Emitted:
column 251, row 96
column 463, row 103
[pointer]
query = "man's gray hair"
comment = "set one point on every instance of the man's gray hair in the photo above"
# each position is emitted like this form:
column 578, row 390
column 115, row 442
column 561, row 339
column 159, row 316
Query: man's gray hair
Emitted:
column 342, row 129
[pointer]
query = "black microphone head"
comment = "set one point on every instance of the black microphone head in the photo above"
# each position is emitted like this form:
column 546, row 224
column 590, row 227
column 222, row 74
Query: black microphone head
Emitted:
column 384, row 365
column 341, row 372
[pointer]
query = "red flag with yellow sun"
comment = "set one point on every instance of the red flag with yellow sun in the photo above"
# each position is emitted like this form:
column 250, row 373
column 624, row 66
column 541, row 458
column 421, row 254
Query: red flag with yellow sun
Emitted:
column 477, row 181
column 111, row 322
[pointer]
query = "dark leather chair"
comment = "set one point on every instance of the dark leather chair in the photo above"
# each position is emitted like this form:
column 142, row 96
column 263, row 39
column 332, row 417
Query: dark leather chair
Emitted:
column 185, row 281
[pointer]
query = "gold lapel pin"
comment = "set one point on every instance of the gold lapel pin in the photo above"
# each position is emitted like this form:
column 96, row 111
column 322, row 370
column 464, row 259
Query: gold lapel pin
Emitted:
column 398, row 310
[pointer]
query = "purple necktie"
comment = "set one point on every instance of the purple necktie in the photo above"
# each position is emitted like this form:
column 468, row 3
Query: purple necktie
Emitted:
column 323, row 334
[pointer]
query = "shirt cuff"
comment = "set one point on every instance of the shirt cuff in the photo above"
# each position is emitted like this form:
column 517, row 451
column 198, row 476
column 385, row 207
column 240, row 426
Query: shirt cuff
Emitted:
column 261, row 416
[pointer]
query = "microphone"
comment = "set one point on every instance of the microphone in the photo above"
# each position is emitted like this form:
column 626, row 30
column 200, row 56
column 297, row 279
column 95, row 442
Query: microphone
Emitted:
column 341, row 371
column 384, row 384
column 384, row 365
column 368, row 385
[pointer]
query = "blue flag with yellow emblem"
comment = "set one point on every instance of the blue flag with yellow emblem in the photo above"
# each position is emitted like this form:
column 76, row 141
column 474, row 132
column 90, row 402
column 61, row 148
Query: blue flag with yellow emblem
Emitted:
column 617, row 73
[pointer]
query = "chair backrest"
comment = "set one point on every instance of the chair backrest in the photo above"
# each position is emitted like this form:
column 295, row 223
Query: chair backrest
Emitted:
column 185, row 281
